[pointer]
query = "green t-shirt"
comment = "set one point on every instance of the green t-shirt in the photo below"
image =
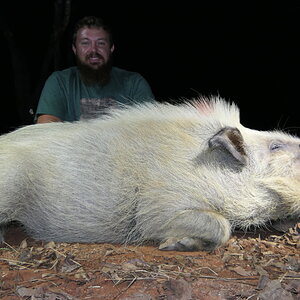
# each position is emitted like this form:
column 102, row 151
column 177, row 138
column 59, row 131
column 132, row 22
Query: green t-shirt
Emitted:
column 68, row 98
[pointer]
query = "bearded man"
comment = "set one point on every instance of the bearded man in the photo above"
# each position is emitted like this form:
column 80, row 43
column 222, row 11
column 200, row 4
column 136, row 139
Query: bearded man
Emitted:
column 92, row 86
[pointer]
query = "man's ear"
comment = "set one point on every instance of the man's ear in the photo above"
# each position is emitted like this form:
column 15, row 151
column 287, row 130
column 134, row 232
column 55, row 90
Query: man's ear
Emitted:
column 112, row 48
column 74, row 49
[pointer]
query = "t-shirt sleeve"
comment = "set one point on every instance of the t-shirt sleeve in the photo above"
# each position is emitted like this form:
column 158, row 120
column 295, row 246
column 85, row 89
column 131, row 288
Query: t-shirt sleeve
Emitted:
column 52, row 100
column 141, row 90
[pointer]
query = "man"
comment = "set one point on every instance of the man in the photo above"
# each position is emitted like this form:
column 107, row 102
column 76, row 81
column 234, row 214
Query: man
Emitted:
column 88, row 89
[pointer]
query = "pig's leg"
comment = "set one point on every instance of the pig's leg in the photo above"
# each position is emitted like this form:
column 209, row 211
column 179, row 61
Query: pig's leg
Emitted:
column 4, row 220
column 193, row 230
column 6, row 213
column 3, row 226
column 1, row 234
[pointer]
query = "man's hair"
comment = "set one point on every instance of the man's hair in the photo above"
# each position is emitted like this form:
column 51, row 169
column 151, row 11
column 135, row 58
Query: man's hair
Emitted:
column 91, row 21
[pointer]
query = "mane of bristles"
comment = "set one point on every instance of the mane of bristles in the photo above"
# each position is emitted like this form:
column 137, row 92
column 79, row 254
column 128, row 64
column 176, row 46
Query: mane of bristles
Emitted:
column 207, row 108
column 217, row 108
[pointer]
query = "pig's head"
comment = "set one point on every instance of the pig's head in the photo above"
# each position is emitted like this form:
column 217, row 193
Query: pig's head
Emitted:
column 257, row 172
column 270, row 159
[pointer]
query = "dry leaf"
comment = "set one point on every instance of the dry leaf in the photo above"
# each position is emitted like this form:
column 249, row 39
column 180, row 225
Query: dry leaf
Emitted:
column 241, row 271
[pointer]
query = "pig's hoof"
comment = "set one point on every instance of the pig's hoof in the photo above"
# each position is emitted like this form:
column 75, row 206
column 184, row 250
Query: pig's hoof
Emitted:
column 1, row 234
column 187, row 244
column 1, row 238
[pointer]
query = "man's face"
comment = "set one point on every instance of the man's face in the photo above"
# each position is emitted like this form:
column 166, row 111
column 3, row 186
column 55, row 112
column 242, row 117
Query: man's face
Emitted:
column 92, row 47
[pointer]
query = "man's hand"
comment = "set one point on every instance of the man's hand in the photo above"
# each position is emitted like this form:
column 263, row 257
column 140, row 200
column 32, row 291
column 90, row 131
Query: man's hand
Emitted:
column 47, row 119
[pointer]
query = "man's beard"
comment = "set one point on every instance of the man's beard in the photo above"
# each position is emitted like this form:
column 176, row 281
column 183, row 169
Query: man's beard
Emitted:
column 91, row 76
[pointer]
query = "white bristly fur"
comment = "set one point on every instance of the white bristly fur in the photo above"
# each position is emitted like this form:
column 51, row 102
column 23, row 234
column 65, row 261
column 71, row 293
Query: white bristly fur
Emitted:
column 146, row 172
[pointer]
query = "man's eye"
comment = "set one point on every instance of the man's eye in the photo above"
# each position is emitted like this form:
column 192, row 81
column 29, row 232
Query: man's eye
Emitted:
column 101, row 44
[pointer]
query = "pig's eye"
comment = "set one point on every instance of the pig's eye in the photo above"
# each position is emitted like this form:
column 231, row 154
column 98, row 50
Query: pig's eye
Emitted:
column 276, row 146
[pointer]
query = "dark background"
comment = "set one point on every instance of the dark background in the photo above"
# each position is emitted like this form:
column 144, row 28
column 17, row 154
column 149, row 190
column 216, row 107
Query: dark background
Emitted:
column 245, row 51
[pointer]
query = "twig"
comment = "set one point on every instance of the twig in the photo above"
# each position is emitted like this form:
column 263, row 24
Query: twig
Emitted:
column 11, row 247
column 17, row 262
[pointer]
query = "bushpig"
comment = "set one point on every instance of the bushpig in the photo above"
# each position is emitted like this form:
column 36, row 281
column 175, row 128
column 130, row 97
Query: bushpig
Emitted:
column 183, row 176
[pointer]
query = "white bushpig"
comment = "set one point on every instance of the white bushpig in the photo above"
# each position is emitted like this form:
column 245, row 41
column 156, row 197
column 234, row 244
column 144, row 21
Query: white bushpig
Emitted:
column 183, row 176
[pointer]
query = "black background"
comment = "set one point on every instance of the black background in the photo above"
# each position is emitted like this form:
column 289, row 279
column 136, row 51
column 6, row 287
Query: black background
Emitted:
column 246, row 52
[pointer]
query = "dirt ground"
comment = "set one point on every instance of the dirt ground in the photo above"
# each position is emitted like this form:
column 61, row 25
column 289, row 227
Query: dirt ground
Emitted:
column 261, row 265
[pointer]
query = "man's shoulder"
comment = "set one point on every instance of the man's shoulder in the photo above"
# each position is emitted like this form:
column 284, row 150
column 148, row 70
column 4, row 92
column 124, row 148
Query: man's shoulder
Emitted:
column 65, row 73
column 122, row 73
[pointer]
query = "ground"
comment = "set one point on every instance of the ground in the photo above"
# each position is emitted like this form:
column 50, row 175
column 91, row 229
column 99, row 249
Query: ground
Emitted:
column 261, row 265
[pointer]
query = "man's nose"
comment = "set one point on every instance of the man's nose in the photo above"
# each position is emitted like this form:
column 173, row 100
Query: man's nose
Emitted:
column 93, row 47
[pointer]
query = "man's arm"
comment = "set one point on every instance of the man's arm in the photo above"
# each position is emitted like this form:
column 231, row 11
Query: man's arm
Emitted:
column 141, row 91
column 47, row 119
column 51, row 105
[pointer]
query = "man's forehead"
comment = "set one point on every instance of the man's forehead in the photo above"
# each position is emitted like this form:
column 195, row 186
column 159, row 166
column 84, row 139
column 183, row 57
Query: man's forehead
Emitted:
column 97, row 32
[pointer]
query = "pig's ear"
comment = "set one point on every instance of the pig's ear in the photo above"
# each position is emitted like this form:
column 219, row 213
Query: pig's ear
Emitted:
column 231, row 139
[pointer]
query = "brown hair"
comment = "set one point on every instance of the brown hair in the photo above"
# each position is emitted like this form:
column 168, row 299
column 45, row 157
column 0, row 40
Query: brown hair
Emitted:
column 91, row 21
